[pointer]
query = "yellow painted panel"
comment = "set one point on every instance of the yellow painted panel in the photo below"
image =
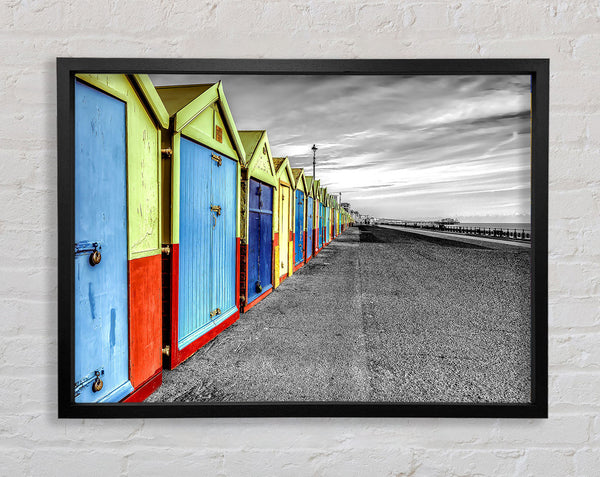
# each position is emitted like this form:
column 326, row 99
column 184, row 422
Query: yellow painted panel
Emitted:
column 153, row 99
column 276, row 281
column 226, row 139
column 284, row 222
column 175, row 171
column 166, row 199
column 143, row 165
column 202, row 129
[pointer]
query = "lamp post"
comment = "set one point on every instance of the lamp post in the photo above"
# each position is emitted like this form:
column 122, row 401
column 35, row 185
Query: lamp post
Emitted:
column 314, row 150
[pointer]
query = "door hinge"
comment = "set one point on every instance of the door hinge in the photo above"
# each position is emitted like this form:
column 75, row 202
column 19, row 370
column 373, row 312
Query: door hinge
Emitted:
column 215, row 312
column 216, row 157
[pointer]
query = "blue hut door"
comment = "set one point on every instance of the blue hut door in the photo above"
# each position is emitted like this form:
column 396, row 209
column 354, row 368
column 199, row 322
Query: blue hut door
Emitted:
column 195, row 225
column 223, row 246
column 299, row 226
column 260, row 239
column 320, row 242
column 101, row 316
column 309, row 227
column 207, row 242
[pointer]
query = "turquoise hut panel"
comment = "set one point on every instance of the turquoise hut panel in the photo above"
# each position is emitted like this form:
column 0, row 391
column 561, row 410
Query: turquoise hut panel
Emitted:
column 100, row 251
column 207, row 240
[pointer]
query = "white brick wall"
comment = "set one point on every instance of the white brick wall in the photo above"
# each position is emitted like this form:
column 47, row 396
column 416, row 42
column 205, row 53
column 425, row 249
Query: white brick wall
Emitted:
column 33, row 33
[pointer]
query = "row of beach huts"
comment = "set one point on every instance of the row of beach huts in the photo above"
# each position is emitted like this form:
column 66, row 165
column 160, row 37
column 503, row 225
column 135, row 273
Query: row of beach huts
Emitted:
column 182, row 222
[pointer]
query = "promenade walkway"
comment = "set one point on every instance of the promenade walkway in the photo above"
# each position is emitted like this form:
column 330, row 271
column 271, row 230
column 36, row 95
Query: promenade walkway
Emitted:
column 378, row 315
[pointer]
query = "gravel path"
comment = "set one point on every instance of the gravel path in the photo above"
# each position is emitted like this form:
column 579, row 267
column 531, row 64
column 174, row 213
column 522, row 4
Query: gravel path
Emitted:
column 378, row 315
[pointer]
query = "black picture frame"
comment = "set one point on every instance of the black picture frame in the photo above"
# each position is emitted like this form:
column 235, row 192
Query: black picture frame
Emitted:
column 539, row 71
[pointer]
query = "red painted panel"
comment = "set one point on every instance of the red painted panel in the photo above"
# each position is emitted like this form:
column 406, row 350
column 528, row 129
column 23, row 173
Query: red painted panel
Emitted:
column 237, row 272
column 275, row 242
column 145, row 318
column 177, row 356
column 145, row 389
column 273, row 267
column 304, row 246
column 173, row 319
column 243, row 293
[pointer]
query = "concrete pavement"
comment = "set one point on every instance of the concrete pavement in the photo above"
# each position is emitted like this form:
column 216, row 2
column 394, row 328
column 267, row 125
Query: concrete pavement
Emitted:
column 378, row 315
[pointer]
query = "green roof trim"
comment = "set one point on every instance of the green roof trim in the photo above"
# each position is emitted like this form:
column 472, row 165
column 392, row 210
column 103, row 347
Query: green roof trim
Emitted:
column 185, row 103
column 282, row 166
column 254, row 143
column 154, row 101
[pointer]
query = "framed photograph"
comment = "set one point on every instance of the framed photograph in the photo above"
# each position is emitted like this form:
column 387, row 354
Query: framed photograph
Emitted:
column 335, row 238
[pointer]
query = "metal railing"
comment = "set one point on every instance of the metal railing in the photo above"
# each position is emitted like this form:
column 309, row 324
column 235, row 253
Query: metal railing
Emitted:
column 494, row 232
column 514, row 234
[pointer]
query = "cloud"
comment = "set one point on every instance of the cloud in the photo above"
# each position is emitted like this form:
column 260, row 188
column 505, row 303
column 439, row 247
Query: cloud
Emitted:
column 397, row 146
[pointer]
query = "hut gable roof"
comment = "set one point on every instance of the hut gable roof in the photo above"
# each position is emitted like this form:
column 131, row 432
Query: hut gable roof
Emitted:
column 259, row 161
column 284, row 171
column 299, row 178
column 119, row 84
column 175, row 98
column 310, row 186
column 153, row 99
column 250, row 140
column 323, row 192
column 316, row 188
column 278, row 161
column 184, row 103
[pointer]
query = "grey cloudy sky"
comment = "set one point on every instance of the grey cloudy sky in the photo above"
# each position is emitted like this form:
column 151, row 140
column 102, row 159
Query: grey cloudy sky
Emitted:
column 420, row 147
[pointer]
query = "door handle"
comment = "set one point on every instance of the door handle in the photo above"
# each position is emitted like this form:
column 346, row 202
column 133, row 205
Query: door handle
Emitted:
column 216, row 208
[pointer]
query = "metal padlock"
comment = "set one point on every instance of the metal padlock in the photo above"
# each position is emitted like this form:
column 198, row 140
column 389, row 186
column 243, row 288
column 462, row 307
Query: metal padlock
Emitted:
column 98, row 384
column 95, row 258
